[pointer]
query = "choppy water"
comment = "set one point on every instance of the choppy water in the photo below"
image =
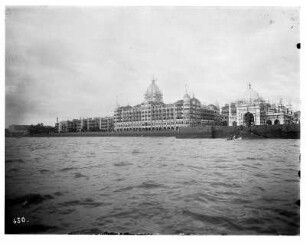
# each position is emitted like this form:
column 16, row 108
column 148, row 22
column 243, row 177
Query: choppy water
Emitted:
column 90, row 185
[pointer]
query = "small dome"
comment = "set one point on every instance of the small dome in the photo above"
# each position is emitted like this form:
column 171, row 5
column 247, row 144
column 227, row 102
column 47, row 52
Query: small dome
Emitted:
column 186, row 97
column 153, row 93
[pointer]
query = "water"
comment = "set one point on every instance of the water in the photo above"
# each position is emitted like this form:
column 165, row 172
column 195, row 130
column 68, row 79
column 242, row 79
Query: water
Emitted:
column 91, row 185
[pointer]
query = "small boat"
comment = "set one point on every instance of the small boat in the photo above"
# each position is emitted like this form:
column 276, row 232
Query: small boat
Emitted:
column 234, row 137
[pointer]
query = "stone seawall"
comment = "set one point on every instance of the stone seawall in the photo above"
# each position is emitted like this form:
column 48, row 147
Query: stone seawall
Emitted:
column 262, row 131
column 196, row 132
column 111, row 134
column 273, row 131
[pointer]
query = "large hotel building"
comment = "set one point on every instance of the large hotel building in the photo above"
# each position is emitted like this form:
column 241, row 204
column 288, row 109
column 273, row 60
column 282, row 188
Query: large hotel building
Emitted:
column 154, row 114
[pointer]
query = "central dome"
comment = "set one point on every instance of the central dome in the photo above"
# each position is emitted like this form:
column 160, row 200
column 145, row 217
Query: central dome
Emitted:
column 186, row 97
column 251, row 95
column 153, row 93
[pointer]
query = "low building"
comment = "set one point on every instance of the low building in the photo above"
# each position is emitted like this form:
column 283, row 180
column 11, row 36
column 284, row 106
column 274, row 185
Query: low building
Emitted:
column 104, row 124
column 18, row 130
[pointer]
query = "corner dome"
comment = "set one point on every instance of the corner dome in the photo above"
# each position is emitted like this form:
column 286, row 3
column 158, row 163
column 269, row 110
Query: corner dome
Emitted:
column 153, row 93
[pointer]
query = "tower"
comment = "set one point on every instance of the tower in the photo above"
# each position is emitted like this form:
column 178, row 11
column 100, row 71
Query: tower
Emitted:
column 230, row 123
column 186, row 107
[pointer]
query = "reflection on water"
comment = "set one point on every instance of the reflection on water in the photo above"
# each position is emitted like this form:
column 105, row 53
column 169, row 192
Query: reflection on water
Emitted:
column 92, row 185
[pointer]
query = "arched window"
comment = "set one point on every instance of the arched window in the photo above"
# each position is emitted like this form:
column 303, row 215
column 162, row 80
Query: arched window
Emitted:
column 248, row 119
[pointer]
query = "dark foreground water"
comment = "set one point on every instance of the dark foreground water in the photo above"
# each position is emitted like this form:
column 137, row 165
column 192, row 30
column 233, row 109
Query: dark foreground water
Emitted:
column 91, row 185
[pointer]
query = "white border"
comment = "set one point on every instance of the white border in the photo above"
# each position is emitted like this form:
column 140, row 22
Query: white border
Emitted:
column 154, row 2
column 238, row 239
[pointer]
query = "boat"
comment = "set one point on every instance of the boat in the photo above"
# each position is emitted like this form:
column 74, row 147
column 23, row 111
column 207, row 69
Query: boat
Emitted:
column 234, row 137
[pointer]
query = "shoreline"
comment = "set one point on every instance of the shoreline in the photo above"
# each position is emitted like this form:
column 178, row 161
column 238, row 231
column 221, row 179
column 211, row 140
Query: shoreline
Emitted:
column 288, row 131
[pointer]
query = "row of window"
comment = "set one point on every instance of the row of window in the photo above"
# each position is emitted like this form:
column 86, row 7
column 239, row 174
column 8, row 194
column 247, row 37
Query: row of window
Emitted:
column 149, row 125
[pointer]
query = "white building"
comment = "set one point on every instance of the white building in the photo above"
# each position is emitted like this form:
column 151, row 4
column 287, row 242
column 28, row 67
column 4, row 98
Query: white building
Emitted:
column 251, row 109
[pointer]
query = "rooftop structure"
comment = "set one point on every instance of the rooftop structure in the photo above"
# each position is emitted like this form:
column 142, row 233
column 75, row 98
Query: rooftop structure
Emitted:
column 153, row 93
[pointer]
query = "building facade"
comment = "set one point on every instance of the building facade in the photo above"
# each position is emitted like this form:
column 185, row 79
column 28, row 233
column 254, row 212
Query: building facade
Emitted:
column 251, row 109
column 154, row 114
column 102, row 124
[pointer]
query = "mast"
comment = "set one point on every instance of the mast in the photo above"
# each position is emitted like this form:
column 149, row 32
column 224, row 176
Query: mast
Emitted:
column 229, row 114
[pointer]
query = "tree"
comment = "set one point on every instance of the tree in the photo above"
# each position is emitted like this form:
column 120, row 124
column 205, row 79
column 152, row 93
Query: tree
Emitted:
column 40, row 129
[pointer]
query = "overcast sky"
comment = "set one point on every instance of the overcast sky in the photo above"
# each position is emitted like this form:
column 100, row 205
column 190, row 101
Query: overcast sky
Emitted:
column 70, row 62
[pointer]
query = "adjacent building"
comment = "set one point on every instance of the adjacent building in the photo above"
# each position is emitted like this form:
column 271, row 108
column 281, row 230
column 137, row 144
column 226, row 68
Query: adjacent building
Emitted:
column 102, row 124
column 225, row 111
column 251, row 109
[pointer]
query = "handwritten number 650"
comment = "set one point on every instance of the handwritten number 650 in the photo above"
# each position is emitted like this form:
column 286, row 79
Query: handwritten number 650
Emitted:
column 19, row 220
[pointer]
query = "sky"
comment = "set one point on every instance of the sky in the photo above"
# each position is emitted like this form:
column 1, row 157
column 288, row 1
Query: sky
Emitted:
column 72, row 62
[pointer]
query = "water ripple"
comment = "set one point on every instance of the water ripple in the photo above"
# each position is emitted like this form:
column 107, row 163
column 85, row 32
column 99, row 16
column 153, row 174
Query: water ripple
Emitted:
column 98, row 185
